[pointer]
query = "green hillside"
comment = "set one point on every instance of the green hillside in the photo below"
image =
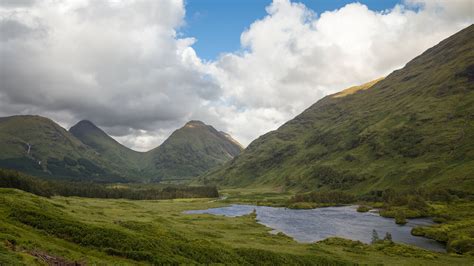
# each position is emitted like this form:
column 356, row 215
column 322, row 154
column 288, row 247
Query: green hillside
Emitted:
column 39, row 146
column 121, row 157
column 414, row 128
column 192, row 150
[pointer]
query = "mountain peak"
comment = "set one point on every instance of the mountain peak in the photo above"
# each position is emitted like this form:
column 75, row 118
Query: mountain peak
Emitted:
column 194, row 123
column 89, row 133
column 192, row 150
column 84, row 124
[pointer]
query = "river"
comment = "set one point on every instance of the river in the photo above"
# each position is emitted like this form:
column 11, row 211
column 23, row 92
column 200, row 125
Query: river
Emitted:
column 311, row 225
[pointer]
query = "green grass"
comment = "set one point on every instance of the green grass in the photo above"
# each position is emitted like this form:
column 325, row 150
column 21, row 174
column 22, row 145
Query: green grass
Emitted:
column 130, row 232
column 456, row 227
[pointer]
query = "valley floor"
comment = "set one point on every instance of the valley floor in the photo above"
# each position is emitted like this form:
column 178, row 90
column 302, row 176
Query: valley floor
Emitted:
column 36, row 230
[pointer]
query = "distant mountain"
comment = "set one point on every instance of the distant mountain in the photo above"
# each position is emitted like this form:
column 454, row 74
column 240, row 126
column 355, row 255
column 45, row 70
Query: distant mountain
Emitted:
column 39, row 146
column 117, row 154
column 192, row 150
column 414, row 128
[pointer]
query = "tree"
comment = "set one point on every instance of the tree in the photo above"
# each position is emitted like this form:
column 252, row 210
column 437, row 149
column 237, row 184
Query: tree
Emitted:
column 375, row 237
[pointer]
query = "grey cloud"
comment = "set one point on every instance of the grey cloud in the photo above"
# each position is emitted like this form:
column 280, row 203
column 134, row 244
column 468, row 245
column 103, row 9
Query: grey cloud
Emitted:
column 16, row 3
column 11, row 29
column 120, row 66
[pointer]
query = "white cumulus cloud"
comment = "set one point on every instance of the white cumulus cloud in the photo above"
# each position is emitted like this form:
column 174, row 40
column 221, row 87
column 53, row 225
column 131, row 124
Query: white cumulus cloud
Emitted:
column 293, row 57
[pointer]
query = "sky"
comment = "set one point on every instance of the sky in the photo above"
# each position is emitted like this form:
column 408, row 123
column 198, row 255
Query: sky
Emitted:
column 217, row 25
column 140, row 69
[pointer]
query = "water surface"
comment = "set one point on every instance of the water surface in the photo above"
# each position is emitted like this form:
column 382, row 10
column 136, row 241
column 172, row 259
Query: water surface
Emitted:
column 317, row 224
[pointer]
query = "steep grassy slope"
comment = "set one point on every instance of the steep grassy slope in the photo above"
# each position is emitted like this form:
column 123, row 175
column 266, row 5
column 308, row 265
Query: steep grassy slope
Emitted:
column 39, row 146
column 413, row 128
column 123, row 232
column 118, row 155
column 192, row 150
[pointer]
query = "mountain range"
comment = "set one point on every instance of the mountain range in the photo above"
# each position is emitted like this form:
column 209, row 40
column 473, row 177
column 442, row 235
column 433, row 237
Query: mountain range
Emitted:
column 413, row 128
column 39, row 146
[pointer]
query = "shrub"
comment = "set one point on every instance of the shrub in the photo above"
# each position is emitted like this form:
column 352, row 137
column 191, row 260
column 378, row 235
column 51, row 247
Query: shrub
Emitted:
column 461, row 246
column 375, row 236
column 363, row 208
column 400, row 219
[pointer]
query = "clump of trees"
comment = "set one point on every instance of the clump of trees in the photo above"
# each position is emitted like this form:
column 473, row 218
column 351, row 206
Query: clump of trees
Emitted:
column 329, row 177
column 416, row 197
column 14, row 179
column 376, row 239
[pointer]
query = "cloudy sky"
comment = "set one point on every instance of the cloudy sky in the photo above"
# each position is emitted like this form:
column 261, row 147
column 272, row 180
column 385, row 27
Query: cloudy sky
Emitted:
column 141, row 69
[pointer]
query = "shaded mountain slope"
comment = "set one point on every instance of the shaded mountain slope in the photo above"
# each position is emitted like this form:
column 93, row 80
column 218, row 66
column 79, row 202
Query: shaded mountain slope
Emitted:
column 109, row 148
column 192, row 150
column 39, row 146
column 413, row 128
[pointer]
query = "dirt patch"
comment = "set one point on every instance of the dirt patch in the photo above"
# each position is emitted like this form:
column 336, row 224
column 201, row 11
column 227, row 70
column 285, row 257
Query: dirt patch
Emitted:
column 54, row 260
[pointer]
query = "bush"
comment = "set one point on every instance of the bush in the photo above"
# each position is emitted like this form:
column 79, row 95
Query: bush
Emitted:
column 302, row 205
column 327, row 176
column 363, row 208
column 461, row 246
column 400, row 218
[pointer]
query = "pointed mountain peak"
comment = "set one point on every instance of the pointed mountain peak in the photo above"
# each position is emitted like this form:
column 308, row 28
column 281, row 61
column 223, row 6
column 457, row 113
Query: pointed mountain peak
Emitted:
column 85, row 129
column 85, row 124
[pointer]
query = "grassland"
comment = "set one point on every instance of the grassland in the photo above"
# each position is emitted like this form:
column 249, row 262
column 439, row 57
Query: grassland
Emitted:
column 126, row 232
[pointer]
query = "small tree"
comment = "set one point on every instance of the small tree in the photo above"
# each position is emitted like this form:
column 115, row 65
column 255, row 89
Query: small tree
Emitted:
column 388, row 237
column 375, row 237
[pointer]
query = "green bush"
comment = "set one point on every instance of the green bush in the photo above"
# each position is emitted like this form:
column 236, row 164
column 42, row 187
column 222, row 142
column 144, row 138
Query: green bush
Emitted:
column 363, row 208
column 461, row 246
column 400, row 219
